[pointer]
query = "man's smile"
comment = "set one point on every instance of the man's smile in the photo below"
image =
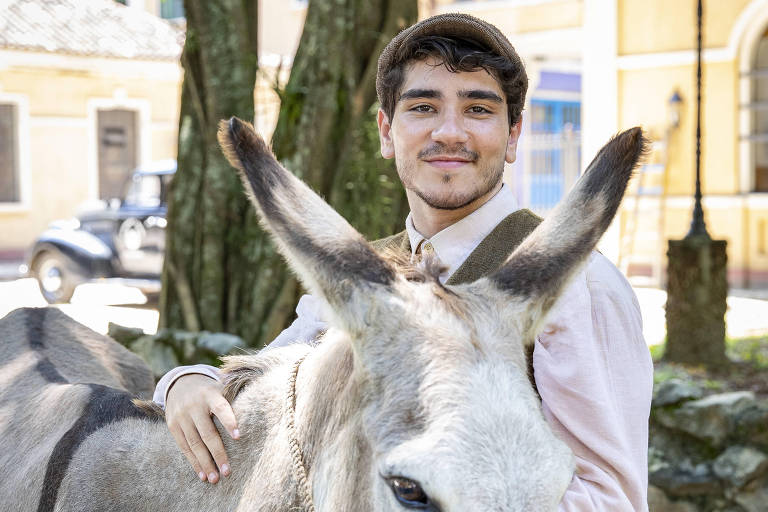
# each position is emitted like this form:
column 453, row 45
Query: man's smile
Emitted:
column 447, row 162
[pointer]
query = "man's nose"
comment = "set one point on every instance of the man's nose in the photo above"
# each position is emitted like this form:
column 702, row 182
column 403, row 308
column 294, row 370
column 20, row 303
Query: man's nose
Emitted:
column 450, row 129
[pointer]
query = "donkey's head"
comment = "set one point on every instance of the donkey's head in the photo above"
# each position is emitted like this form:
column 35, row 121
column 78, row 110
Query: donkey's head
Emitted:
column 449, row 417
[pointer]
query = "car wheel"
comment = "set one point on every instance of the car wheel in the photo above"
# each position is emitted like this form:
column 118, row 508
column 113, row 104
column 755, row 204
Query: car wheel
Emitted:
column 56, row 280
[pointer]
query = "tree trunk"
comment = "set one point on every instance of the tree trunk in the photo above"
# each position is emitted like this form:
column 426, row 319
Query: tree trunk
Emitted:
column 697, row 289
column 221, row 271
column 212, row 230
column 326, row 133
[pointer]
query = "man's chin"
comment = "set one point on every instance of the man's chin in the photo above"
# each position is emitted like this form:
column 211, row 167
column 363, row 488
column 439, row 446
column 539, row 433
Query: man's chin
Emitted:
column 448, row 203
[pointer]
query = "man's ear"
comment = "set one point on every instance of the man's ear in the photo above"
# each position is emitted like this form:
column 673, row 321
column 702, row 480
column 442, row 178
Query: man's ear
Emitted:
column 385, row 135
column 514, row 135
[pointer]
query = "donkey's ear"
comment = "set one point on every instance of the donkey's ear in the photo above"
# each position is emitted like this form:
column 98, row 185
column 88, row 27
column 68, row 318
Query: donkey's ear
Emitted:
column 542, row 265
column 329, row 256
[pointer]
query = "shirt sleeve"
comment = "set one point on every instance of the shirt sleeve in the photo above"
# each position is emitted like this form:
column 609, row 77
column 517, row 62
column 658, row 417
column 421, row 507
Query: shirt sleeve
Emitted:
column 307, row 326
column 594, row 373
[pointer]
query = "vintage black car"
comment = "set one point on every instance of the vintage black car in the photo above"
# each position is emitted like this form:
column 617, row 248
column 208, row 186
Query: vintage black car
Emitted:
column 123, row 239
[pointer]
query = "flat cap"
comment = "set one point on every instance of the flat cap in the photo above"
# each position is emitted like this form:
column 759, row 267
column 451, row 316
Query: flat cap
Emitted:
column 446, row 25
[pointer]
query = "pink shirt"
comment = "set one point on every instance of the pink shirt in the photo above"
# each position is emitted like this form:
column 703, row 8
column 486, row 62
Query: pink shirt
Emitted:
column 592, row 367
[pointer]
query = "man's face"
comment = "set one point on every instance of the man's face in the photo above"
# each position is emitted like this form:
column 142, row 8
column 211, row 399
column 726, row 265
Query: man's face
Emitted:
column 449, row 135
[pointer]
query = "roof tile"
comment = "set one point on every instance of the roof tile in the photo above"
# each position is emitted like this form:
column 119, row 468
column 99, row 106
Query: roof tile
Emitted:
column 101, row 28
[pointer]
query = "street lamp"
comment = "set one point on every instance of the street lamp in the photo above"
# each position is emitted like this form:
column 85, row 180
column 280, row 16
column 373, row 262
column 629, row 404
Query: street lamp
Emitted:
column 697, row 287
column 675, row 107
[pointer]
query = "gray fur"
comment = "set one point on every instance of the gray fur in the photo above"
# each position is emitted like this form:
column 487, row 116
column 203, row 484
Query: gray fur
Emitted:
column 414, row 379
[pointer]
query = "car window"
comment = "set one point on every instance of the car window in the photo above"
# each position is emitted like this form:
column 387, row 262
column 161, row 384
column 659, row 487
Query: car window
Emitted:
column 143, row 191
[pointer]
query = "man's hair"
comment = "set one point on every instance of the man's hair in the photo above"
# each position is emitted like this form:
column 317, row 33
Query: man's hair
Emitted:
column 456, row 54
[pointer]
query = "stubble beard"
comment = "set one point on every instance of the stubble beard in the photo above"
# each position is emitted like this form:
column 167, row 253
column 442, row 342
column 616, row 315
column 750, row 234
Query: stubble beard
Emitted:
column 490, row 176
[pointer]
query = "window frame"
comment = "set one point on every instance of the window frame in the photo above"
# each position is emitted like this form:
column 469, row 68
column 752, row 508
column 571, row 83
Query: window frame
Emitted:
column 750, row 109
column 22, row 150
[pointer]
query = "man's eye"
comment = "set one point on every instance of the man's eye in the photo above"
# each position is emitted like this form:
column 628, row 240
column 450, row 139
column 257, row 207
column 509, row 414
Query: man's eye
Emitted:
column 423, row 108
column 479, row 110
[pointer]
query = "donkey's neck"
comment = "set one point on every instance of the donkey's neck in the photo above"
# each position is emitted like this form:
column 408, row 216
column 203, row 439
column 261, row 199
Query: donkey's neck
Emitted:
column 329, row 405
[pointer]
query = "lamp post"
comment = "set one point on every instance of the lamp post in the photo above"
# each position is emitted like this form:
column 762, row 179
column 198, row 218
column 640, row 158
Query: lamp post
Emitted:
column 698, row 228
column 697, row 287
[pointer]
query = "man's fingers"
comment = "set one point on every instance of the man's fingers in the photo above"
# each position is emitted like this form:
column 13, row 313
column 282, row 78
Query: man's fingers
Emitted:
column 200, row 450
column 212, row 440
column 178, row 436
column 222, row 410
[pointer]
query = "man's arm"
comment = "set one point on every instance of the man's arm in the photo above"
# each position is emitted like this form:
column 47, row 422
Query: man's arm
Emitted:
column 304, row 329
column 192, row 394
column 595, row 376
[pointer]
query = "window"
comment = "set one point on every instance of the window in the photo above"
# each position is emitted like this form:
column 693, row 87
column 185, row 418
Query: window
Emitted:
column 555, row 151
column 758, row 107
column 9, row 154
column 171, row 9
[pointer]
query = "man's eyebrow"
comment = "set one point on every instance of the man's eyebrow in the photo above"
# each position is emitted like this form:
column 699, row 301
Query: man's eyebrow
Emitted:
column 480, row 94
column 411, row 94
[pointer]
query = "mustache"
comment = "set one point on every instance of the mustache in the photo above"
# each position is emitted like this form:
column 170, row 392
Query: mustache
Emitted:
column 439, row 149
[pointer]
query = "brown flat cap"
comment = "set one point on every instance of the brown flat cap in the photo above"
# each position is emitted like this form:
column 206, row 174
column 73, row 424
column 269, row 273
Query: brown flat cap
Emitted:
column 446, row 25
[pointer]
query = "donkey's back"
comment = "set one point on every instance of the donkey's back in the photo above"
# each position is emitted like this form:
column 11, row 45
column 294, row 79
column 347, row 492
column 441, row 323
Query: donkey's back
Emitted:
column 59, row 381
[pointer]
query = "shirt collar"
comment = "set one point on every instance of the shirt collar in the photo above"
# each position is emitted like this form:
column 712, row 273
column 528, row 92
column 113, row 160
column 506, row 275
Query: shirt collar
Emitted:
column 455, row 243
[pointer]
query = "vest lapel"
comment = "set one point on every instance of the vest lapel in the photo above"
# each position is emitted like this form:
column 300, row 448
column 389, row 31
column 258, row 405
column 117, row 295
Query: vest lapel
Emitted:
column 488, row 256
column 398, row 242
column 496, row 247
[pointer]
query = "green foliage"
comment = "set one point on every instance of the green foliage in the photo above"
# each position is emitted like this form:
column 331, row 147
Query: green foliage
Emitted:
column 170, row 348
column 657, row 351
column 753, row 350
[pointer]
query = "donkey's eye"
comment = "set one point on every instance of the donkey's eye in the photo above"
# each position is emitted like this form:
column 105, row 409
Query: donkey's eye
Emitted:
column 410, row 493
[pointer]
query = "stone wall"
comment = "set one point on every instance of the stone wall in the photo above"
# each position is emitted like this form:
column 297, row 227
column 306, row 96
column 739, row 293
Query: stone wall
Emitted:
column 708, row 452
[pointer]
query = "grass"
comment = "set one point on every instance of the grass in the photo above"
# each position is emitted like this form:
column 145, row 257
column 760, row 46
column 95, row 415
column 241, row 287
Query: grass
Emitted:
column 747, row 370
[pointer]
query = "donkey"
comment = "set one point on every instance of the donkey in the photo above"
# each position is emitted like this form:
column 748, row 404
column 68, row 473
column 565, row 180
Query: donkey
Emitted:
column 417, row 398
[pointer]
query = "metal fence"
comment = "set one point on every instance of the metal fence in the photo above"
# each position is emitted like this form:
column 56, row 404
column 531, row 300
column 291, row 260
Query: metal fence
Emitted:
column 552, row 165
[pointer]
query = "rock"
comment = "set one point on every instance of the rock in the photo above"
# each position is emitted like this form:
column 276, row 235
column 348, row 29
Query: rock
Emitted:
column 711, row 419
column 674, row 391
column 218, row 342
column 685, row 479
column 739, row 464
column 658, row 502
column 754, row 497
column 160, row 357
column 752, row 425
column 123, row 335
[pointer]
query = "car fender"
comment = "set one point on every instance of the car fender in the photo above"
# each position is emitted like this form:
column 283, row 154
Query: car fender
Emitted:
column 89, row 253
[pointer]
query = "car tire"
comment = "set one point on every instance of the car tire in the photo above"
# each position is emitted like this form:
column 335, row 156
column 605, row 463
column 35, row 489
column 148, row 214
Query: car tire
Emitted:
column 55, row 277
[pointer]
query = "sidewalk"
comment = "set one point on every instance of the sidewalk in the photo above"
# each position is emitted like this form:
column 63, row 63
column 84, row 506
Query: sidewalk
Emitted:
column 746, row 316
column 747, row 313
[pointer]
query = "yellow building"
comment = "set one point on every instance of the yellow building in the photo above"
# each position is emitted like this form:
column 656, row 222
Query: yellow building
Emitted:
column 89, row 89
column 595, row 67
column 633, row 56
column 654, row 59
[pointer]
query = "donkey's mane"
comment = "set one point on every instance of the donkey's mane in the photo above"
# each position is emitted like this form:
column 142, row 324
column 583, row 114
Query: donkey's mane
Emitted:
column 240, row 370
column 427, row 269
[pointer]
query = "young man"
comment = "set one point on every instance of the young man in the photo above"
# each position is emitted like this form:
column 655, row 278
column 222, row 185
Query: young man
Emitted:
column 452, row 90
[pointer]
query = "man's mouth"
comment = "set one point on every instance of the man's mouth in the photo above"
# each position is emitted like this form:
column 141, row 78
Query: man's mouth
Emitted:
column 447, row 162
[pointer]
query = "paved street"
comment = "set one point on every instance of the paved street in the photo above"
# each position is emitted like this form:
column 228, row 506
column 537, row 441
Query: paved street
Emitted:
column 95, row 305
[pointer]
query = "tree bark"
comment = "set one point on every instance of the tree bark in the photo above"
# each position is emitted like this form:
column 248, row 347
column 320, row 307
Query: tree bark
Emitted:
column 211, row 226
column 221, row 272
column 326, row 133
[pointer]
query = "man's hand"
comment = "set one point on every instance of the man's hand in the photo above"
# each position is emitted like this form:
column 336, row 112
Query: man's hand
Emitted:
column 189, row 405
